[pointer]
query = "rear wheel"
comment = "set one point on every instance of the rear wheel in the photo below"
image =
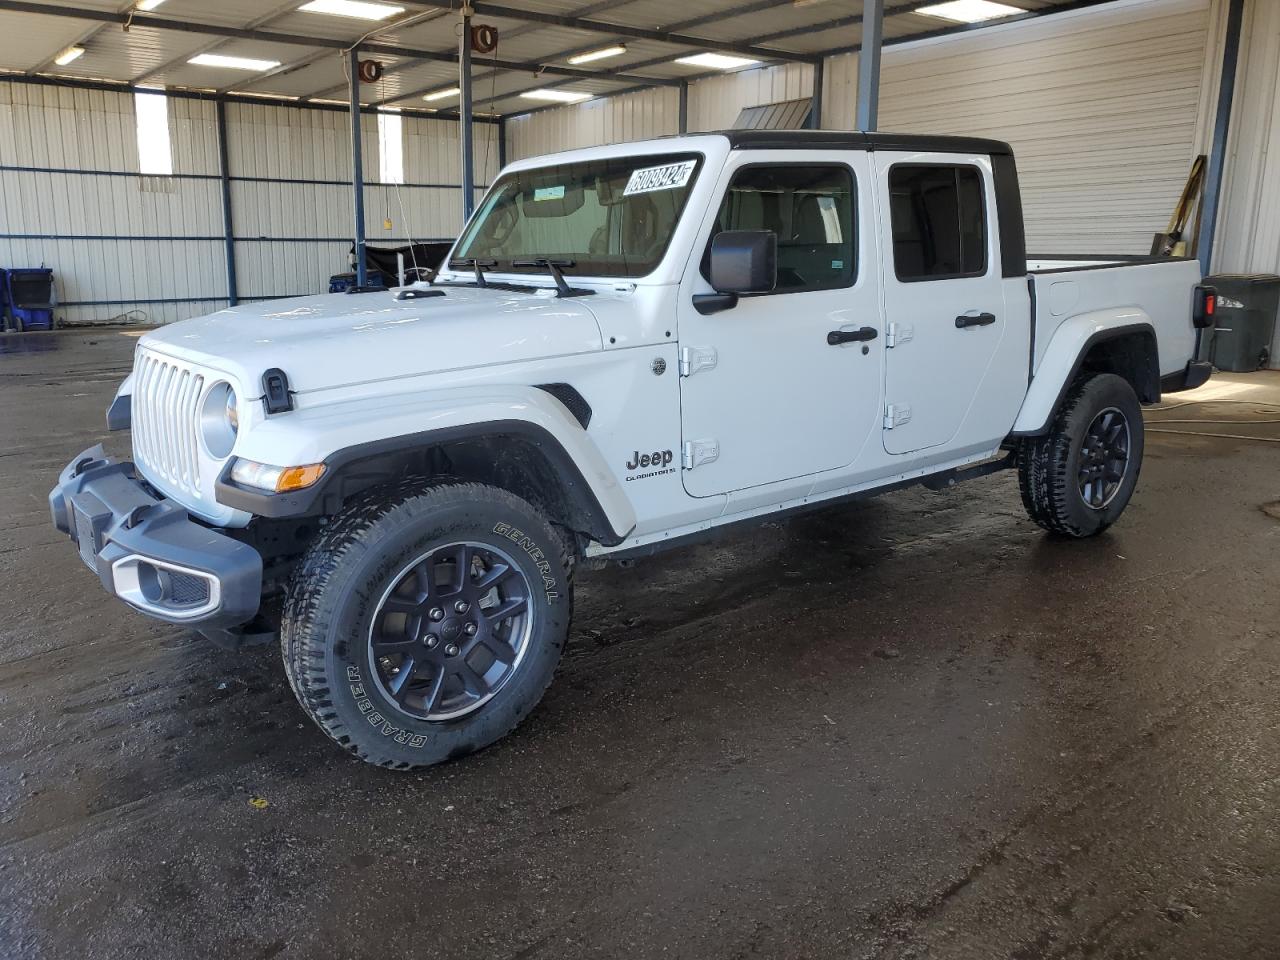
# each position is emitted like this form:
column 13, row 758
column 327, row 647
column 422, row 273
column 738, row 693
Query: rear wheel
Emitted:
column 425, row 623
column 1077, row 479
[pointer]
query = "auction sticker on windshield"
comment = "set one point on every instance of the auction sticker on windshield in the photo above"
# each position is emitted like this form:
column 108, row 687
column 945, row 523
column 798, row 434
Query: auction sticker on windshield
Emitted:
column 667, row 177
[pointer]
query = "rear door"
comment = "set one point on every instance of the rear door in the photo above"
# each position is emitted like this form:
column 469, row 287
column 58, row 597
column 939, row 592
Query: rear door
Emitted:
column 770, row 390
column 943, row 292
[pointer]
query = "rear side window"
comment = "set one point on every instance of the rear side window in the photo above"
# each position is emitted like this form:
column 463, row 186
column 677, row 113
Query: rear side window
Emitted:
column 939, row 222
column 810, row 208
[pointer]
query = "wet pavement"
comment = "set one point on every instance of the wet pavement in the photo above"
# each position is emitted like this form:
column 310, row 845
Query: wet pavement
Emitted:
column 912, row 727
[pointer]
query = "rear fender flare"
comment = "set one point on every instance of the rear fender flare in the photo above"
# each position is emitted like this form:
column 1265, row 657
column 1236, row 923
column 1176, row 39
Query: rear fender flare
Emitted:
column 1064, row 357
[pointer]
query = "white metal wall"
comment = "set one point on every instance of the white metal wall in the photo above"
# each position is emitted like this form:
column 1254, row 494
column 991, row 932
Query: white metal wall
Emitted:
column 150, row 249
column 1248, row 239
column 714, row 103
column 1101, row 105
column 633, row 116
column 291, row 193
column 113, row 237
column 1249, row 225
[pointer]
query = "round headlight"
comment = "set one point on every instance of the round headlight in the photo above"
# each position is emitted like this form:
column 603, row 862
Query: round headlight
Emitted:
column 219, row 420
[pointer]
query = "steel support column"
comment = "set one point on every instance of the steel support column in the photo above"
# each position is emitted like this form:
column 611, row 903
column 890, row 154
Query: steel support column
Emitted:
column 224, row 175
column 683, row 112
column 1221, row 125
column 357, row 164
column 815, row 111
column 869, row 64
column 464, row 116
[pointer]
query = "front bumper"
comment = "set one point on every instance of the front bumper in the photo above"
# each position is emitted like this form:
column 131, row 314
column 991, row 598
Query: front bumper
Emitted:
column 148, row 551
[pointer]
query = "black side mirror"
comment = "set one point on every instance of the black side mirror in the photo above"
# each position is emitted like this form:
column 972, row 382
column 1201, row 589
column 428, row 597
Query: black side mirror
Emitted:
column 742, row 261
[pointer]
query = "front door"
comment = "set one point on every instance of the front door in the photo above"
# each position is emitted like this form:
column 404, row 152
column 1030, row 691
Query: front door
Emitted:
column 776, row 387
column 944, row 297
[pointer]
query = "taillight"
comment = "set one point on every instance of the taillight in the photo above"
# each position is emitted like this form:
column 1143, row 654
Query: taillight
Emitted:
column 1204, row 306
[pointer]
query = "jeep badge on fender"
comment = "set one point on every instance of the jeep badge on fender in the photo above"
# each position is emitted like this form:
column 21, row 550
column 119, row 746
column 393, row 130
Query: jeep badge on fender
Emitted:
column 642, row 461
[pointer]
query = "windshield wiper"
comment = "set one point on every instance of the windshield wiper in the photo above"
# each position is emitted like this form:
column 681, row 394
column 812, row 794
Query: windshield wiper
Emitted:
column 554, row 267
column 476, row 264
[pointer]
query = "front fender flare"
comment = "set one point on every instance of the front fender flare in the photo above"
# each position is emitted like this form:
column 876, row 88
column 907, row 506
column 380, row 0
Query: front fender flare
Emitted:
column 345, row 432
column 1063, row 358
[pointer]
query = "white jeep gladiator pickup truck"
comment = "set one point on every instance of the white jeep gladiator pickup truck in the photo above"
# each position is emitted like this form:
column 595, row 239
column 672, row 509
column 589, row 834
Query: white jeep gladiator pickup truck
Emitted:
column 630, row 346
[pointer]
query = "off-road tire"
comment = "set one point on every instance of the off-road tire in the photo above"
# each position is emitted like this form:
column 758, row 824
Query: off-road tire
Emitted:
column 1048, row 466
column 334, row 594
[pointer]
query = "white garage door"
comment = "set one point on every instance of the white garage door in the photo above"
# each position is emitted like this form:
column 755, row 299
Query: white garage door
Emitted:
column 1100, row 106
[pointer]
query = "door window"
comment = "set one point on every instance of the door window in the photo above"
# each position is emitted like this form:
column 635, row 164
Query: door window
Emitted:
column 939, row 222
column 810, row 208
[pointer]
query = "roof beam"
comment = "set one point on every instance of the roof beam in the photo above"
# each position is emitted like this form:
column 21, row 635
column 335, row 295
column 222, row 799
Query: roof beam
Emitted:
column 291, row 39
column 262, row 21
column 80, row 41
column 412, row 20
column 594, row 8
column 956, row 28
column 638, row 33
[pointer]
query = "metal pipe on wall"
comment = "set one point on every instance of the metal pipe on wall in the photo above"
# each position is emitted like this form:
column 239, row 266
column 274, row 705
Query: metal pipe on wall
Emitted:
column 464, row 116
column 357, row 165
column 815, row 111
column 1221, row 125
column 869, row 64
column 224, row 174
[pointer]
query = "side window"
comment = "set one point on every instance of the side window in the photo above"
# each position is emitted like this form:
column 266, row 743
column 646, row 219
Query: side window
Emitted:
column 939, row 222
column 810, row 208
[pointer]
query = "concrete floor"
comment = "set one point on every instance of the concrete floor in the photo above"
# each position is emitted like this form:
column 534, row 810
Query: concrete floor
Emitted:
column 915, row 726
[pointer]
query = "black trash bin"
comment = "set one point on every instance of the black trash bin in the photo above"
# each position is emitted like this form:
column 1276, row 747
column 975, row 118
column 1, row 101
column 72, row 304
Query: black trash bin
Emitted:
column 1244, row 321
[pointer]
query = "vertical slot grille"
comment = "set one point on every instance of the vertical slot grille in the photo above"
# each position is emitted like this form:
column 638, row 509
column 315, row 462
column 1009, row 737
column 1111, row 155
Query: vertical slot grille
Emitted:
column 166, row 416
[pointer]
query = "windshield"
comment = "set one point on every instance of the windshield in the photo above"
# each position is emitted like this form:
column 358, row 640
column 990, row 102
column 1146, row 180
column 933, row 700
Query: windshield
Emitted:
column 612, row 217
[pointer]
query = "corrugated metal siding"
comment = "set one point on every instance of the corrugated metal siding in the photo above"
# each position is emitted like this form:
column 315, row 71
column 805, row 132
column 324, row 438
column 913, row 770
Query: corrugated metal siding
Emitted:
column 1100, row 105
column 1249, row 226
column 120, row 243
column 117, row 218
column 633, row 116
column 714, row 103
column 292, row 202
column 1248, row 239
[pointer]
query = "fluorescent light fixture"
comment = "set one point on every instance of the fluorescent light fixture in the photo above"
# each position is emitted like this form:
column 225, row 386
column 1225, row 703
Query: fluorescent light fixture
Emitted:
column 232, row 63
column 969, row 11
column 601, row 54
column 261, row 96
column 358, row 9
column 69, row 54
column 558, row 96
column 716, row 61
column 145, row 5
column 442, row 94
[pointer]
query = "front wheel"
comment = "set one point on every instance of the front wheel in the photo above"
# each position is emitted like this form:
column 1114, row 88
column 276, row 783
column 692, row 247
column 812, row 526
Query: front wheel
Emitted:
column 1078, row 478
column 427, row 621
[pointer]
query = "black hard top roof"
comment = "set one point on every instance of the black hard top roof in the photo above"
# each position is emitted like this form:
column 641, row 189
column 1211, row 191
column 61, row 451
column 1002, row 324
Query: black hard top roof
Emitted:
column 859, row 140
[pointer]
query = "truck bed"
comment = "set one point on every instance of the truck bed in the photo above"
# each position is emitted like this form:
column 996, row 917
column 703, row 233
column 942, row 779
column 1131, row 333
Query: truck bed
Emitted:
column 1158, row 290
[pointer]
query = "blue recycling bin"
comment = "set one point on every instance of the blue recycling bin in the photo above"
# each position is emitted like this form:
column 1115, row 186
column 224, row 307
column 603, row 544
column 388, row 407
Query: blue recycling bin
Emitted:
column 31, row 299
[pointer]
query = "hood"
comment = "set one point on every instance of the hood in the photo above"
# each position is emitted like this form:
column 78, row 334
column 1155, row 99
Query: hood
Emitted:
column 341, row 339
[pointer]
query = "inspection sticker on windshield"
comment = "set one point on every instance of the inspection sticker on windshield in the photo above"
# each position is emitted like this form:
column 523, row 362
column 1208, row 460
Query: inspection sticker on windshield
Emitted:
column 548, row 193
column 666, row 177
